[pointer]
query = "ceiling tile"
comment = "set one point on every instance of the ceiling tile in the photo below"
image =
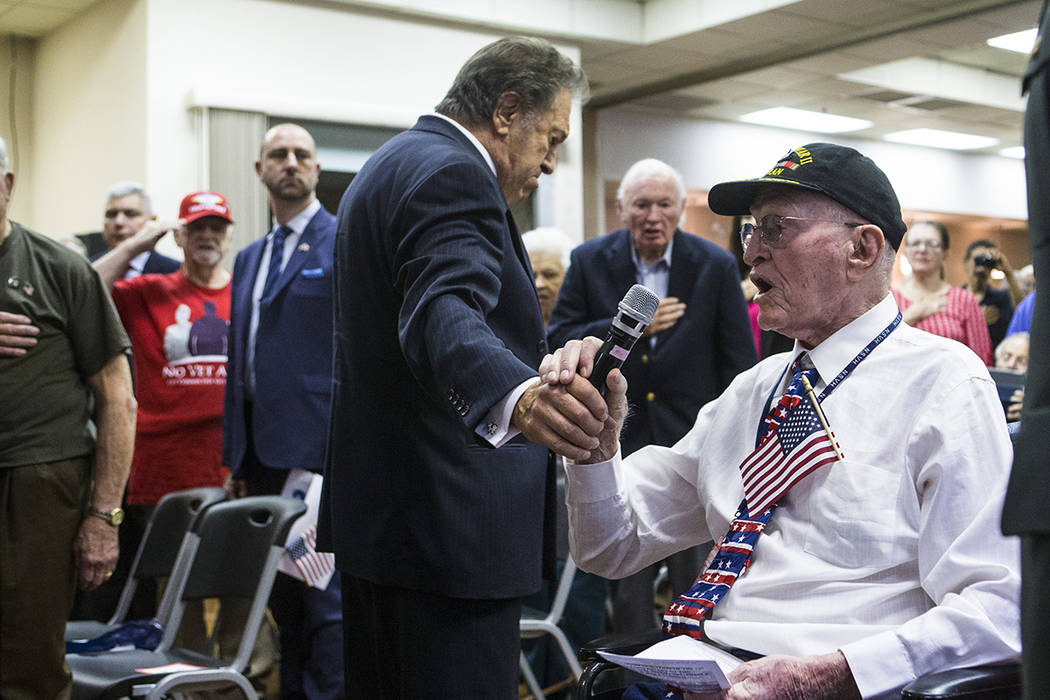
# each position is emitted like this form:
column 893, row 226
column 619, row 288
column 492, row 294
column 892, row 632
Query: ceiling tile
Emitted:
column 850, row 14
column 75, row 5
column 29, row 20
column 655, row 57
column 609, row 73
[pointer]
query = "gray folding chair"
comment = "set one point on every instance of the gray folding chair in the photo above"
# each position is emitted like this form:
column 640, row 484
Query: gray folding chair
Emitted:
column 172, row 517
column 232, row 553
column 535, row 623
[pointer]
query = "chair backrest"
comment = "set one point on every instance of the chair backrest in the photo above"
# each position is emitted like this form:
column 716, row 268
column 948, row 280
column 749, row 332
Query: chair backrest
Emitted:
column 233, row 552
column 172, row 517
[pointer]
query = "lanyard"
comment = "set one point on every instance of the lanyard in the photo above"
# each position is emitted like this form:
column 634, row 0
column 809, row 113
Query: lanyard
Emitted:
column 846, row 371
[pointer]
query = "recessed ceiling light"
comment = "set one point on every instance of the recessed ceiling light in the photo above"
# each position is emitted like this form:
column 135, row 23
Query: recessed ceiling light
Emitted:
column 1020, row 42
column 1013, row 152
column 936, row 138
column 804, row 120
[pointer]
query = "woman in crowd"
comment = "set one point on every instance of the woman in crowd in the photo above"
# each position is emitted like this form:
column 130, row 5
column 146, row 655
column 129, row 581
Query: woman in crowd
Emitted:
column 931, row 304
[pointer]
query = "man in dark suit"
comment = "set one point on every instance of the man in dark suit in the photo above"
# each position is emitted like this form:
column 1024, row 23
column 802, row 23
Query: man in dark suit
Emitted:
column 128, row 210
column 1025, row 512
column 700, row 332
column 279, row 386
column 435, row 503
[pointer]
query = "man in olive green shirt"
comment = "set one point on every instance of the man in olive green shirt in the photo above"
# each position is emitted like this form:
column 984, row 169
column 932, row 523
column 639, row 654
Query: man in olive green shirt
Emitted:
column 61, row 477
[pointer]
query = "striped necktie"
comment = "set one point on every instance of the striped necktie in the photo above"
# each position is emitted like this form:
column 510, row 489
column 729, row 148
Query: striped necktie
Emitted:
column 768, row 473
column 276, row 256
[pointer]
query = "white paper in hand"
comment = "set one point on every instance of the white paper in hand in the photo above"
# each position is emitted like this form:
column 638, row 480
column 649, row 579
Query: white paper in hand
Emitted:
column 683, row 662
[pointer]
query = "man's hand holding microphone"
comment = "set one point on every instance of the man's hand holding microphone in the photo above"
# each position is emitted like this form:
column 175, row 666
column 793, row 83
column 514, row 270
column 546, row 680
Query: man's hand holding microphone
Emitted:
column 588, row 369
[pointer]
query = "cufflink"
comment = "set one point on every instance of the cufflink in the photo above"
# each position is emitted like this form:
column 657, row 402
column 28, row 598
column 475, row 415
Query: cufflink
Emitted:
column 491, row 429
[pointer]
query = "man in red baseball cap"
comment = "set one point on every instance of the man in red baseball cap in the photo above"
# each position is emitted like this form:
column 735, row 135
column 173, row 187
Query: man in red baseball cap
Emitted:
column 179, row 325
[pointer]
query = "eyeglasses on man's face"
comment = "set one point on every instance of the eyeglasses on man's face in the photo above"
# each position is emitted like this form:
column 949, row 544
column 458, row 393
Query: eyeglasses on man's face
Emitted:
column 773, row 228
column 928, row 245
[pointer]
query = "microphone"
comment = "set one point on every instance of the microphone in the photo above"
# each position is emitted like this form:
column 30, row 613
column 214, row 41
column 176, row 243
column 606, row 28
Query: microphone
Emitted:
column 636, row 312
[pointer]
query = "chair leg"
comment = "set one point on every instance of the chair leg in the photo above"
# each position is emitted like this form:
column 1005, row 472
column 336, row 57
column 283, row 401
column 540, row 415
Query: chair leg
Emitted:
column 530, row 677
column 567, row 651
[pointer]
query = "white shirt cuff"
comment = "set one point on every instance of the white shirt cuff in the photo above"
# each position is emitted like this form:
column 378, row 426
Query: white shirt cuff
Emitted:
column 879, row 663
column 589, row 483
column 496, row 428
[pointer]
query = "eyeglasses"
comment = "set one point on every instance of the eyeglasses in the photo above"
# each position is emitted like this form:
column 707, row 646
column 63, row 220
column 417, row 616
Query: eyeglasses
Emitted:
column 928, row 245
column 772, row 227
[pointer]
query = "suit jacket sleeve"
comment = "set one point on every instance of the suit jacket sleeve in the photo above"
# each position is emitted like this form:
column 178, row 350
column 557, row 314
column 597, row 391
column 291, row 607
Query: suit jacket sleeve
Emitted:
column 448, row 270
column 233, row 370
column 1025, row 510
column 572, row 318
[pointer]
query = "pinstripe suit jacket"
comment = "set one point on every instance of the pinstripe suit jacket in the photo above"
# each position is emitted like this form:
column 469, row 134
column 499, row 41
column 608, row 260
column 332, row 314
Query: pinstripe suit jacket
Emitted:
column 436, row 319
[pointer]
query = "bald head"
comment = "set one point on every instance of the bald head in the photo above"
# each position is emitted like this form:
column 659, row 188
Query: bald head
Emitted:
column 288, row 166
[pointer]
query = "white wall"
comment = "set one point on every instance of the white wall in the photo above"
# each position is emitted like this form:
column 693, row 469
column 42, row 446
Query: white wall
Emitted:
column 709, row 152
column 308, row 62
column 89, row 114
column 17, row 58
column 114, row 90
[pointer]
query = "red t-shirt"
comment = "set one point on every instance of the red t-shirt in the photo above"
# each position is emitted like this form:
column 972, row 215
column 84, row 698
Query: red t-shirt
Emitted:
column 179, row 335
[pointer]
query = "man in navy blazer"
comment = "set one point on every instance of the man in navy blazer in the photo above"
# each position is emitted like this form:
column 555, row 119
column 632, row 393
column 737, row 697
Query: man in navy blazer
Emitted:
column 437, row 482
column 128, row 209
column 279, row 386
column 699, row 340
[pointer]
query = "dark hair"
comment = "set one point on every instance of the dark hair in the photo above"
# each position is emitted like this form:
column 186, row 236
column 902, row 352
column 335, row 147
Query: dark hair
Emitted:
column 736, row 246
column 939, row 228
column 979, row 243
column 533, row 68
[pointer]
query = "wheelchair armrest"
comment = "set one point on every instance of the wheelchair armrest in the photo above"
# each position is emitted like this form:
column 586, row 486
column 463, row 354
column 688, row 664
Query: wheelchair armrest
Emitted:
column 990, row 682
column 620, row 644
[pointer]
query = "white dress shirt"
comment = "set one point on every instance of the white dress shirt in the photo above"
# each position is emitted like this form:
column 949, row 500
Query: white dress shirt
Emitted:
column 656, row 276
column 136, row 265
column 297, row 224
column 893, row 555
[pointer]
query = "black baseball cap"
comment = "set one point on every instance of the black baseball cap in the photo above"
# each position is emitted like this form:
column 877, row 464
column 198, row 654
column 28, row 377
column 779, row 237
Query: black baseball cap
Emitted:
column 842, row 173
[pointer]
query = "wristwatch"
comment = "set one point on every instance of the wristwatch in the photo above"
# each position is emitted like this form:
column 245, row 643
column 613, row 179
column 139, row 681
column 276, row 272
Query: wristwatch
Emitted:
column 113, row 517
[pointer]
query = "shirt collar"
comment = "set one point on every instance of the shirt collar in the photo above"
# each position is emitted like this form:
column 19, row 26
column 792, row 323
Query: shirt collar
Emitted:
column 473, row 139
column 300, row 221
column 839, row 349
column 138, row 263
column 665, row 258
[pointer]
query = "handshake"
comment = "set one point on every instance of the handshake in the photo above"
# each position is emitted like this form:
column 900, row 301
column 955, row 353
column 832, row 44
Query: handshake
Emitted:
column 569, row 410
column 566, row 412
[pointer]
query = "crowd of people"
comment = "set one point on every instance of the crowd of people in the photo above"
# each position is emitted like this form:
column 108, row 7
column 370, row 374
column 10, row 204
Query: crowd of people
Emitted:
column 429, row 367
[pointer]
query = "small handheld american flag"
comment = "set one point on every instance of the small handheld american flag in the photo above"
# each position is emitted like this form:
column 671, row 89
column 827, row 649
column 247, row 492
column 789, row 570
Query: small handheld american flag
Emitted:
column 315, row 567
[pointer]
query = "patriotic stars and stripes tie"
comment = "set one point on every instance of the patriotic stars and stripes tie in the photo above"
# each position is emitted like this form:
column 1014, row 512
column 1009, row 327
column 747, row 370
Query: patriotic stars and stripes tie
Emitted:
column 795, row 443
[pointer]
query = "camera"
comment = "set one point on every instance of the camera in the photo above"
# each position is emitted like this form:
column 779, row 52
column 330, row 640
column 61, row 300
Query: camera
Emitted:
column 985, row 260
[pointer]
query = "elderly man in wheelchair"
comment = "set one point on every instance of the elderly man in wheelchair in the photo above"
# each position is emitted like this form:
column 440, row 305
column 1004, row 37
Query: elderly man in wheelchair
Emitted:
column 853, row 487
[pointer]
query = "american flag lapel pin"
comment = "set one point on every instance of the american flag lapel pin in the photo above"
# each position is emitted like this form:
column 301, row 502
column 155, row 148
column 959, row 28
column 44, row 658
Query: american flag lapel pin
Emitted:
column 305, row 247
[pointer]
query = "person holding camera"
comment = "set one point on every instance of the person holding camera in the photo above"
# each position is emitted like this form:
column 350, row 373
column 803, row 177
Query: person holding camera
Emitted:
column 929, row 303
column 997, row 305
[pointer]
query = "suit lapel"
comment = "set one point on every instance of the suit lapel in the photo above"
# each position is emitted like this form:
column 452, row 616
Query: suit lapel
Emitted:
column 682, row 279
column 621, row 263
column 523, row 258
column 245, row 283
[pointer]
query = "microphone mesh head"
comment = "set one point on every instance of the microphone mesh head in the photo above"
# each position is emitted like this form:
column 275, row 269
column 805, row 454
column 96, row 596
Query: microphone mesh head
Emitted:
column 640, row 302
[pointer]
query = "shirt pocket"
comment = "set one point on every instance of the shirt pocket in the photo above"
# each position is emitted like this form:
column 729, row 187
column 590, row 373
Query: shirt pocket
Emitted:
column 855, row 518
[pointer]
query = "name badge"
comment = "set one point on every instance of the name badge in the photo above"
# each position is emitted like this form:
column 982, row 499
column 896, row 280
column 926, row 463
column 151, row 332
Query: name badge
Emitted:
column 312, row 272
